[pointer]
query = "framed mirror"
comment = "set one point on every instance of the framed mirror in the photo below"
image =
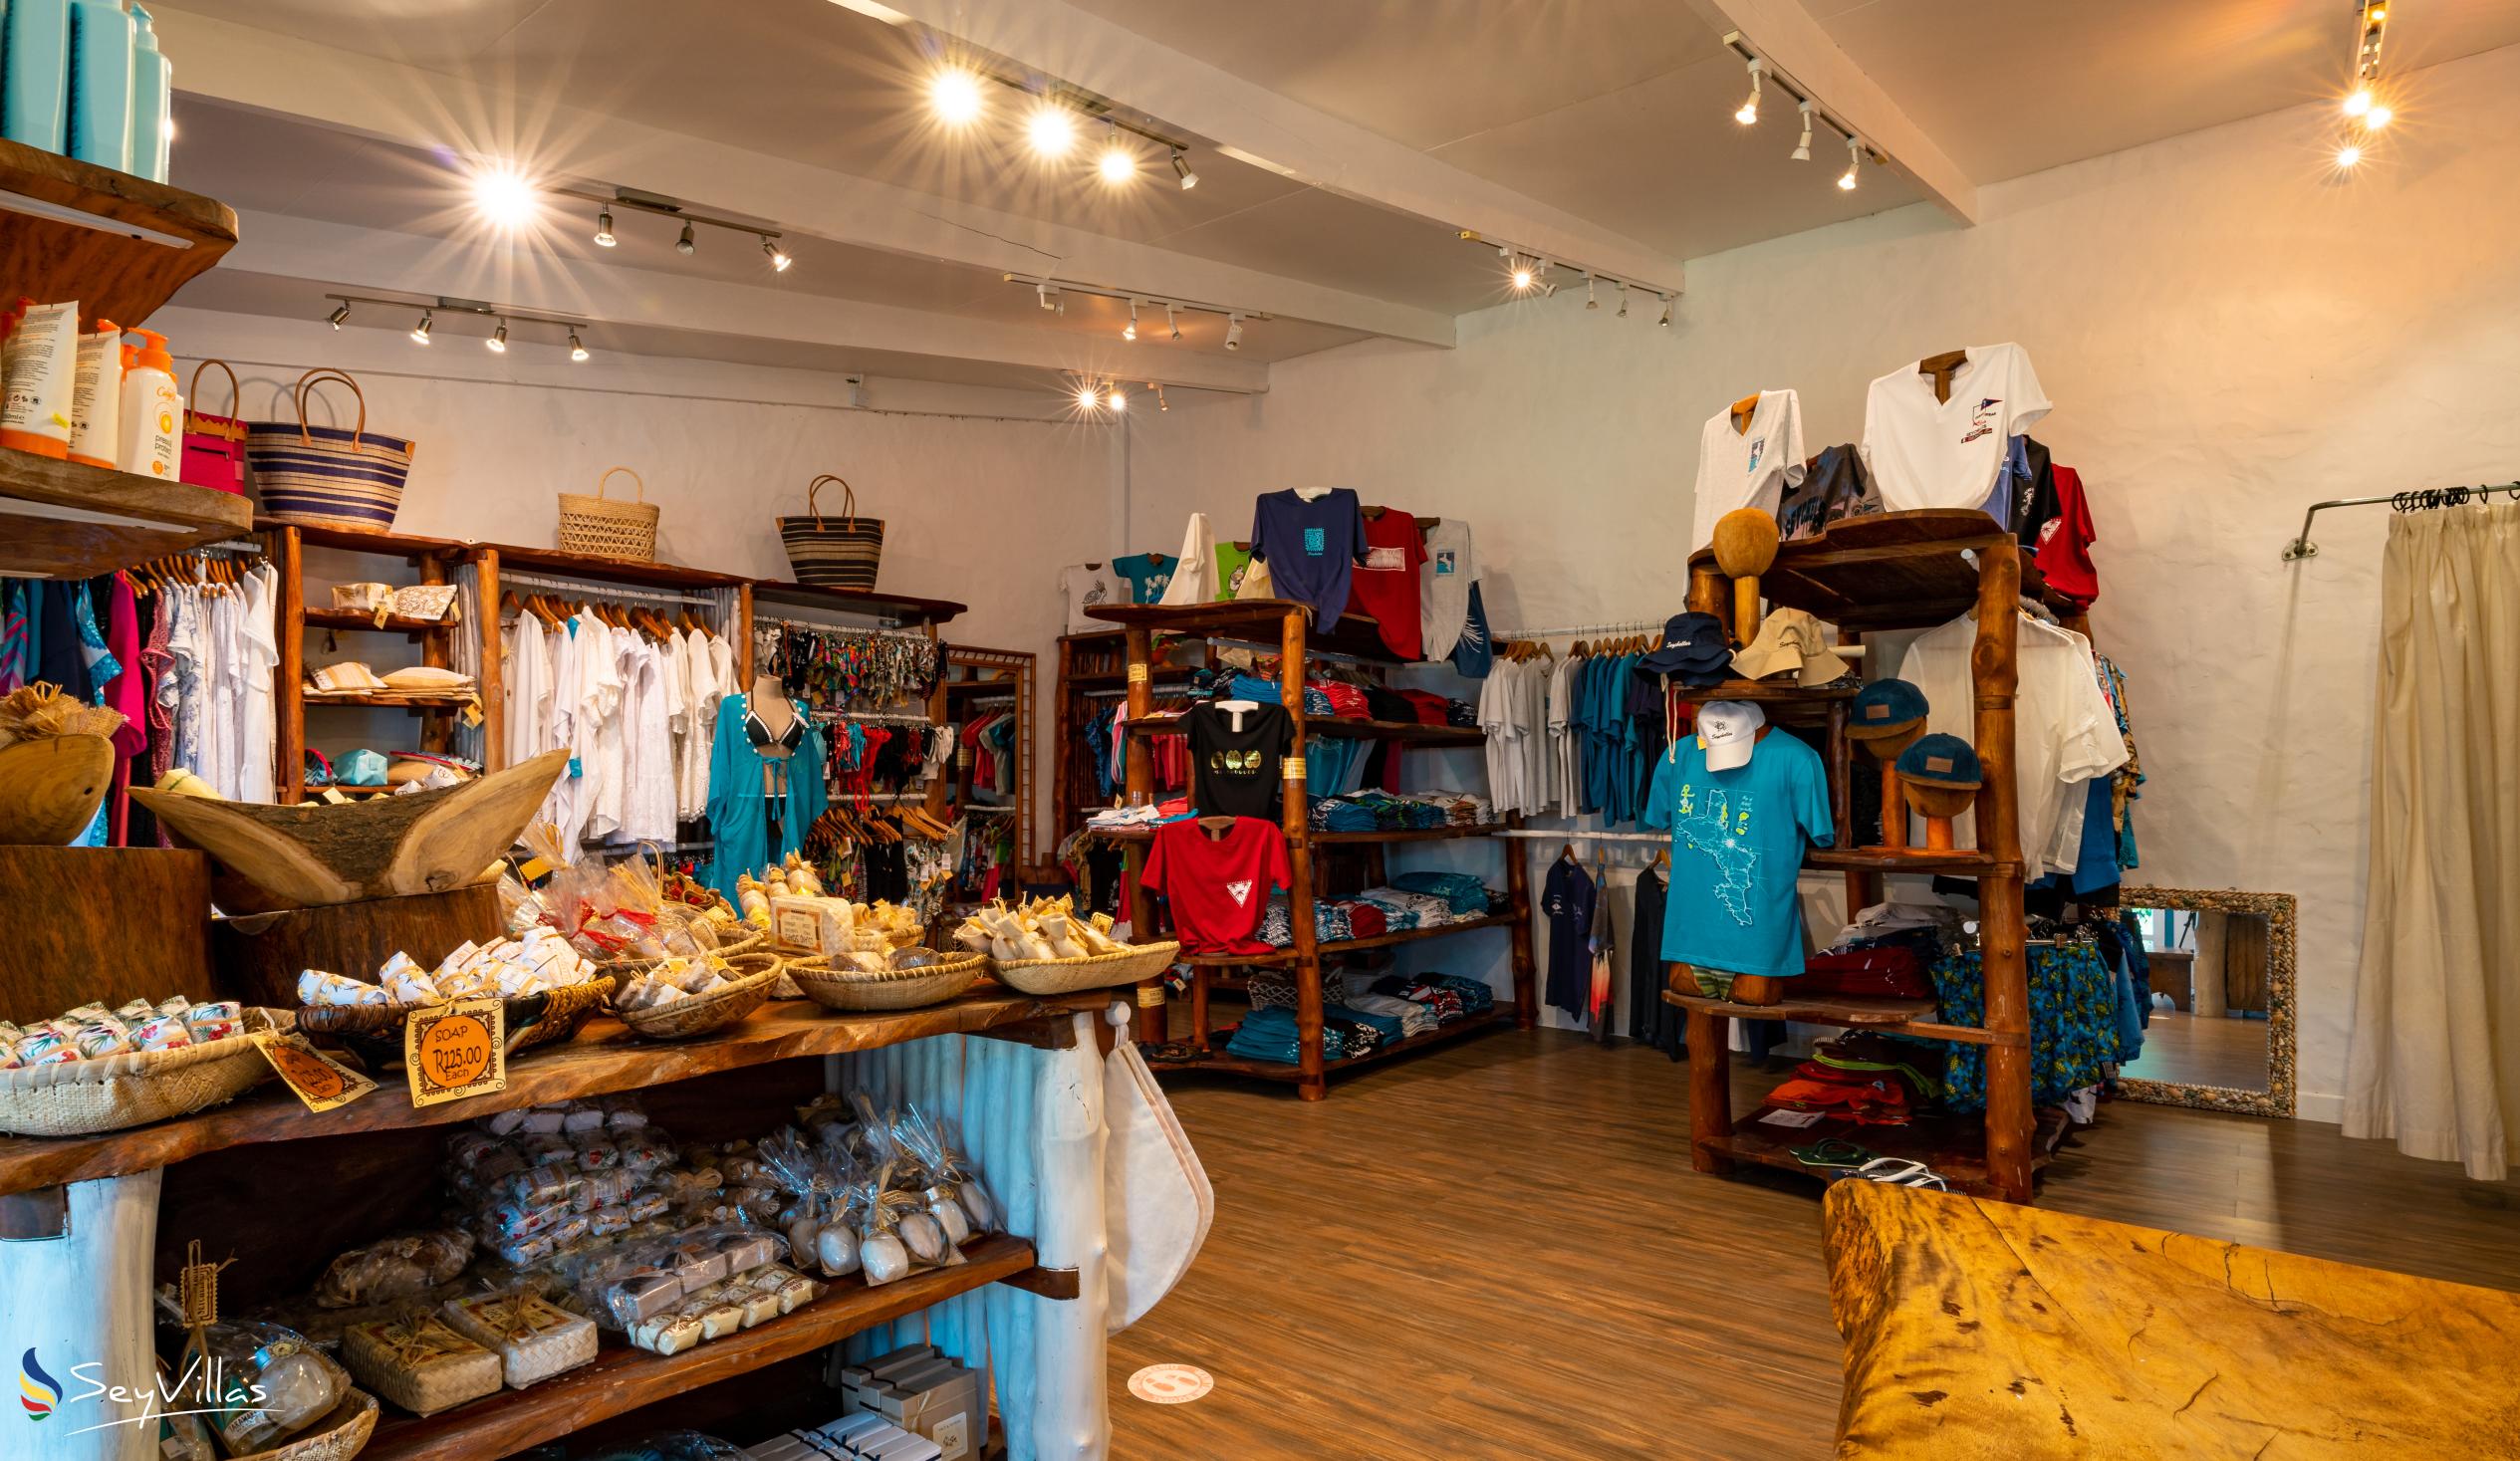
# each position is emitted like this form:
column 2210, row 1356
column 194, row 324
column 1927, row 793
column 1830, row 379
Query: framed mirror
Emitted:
column 2220, row 969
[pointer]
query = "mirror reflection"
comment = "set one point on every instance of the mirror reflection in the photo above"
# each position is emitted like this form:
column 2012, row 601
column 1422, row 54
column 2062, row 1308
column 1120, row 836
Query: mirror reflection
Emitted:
column 2209, row 978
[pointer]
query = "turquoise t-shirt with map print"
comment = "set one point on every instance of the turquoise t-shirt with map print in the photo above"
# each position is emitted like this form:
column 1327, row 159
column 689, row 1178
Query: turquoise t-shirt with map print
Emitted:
column 1736, row 848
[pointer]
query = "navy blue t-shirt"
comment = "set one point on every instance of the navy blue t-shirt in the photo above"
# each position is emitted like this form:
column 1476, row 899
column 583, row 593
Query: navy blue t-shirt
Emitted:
column 1310, row 547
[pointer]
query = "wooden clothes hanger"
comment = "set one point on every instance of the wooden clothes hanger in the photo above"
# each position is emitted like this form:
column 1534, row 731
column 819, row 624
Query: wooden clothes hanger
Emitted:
column 1742, row 410
column 1216, row 826
column 1941, row 368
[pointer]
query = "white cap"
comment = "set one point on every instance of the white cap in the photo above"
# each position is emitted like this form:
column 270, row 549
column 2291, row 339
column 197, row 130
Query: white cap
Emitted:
column 1728, row 730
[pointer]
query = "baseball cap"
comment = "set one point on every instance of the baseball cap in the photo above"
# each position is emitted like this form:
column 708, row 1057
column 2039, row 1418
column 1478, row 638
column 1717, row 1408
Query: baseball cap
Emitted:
column 1943, row 761
column 1885, row 708
column 1729, row 730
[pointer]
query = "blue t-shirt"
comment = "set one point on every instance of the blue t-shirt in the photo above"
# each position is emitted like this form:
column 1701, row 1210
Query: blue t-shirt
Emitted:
column 1149, row 575
column 1310, row 547
column 1736, row 848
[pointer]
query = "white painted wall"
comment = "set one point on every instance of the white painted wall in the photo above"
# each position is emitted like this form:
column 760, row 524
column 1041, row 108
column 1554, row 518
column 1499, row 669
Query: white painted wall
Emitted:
column 2229, row 333
column 980, row 507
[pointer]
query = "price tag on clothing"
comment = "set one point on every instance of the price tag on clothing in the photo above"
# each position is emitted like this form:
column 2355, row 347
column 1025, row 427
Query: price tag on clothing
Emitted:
column 1291, row 769
column 312, row 1075
column 457, row 1050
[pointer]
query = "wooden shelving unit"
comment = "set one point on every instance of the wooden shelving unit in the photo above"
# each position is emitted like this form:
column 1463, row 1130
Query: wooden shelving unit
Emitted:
column 1894, row 571
column 1287, row 626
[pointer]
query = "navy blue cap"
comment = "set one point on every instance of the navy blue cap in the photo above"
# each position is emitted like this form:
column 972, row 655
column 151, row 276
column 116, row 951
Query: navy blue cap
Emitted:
column 1693, row 645
column 1944, row 761
column 1885, row 708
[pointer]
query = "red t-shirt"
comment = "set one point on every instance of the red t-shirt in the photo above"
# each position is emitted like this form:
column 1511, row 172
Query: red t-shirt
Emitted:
column 1384, row 583
column 2065, row 542
column 1217, row 888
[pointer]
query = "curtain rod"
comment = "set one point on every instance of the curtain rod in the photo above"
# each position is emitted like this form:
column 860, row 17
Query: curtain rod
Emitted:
column 596, row 589
column 2419, row 500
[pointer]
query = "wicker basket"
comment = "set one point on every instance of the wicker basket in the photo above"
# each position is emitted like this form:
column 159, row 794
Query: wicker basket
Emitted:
column 716, row 1010
column 898, row 989
column 1102, row 971
column 376, row 1031
column 339, row 1435
column 833, row 553
column 601, row 528
column 84, row 1098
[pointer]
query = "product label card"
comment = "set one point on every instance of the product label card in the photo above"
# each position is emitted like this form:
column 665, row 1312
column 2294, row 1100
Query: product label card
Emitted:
column 312, row 1075
column 457, row 1050
column 1792, row 1118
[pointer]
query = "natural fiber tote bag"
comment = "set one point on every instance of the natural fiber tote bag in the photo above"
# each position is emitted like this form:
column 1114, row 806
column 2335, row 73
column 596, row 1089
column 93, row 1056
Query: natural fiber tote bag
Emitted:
column 607, row 529
column 833, row 553
column 213, row 446
column 326, row 476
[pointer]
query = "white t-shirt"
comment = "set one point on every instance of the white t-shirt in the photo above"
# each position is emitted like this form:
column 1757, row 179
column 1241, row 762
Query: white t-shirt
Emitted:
column 1925, row 452
column 1752, row 468
column 1194, row 576
column 1531, row 718
column 1443, row 588
column 1499, row 694
column 1084, row 586
column 261, row 645
column 1567, row 790
column 2063, row 732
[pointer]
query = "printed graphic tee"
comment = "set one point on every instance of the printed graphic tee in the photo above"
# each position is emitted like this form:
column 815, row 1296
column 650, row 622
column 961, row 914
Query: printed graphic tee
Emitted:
column 1234, row 772
column 1086, row 585
column 1217, row 888
column 1443, row 588
column 1310, row 547
column 1149, row 575
column 1232, row 562
column 1752, row 468
column 1949, row 454
column 1385, row 585
column 1736, row 850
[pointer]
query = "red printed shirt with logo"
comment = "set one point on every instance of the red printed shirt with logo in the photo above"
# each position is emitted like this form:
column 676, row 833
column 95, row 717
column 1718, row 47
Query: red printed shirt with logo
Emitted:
column 1217, row 888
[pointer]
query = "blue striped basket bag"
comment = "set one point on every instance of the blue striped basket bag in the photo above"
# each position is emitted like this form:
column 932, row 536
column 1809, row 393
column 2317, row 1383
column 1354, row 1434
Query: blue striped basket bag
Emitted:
column 326, row 476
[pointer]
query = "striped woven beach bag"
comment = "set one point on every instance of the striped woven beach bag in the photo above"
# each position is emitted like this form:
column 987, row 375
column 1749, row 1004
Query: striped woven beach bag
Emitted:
column 326, row 476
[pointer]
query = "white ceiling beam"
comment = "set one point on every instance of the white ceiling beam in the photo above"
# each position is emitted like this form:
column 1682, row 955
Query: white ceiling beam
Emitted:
column 362, row 259
column 1784, row 34
column 1253, row 125
column 271, row 72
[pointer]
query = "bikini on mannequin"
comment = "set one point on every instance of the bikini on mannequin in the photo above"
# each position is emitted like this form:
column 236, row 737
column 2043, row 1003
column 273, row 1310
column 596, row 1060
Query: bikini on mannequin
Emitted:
column 776, row 730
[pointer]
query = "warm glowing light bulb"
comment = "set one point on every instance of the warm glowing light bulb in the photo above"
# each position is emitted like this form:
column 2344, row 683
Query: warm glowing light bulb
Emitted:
column 2347, row 155
column 1052, row 130
column 1119, row 402
column 2359, row 103
column 1748, row 116
column 1845, row 179
column 1522, row 277
column 504, row 197
column 954, row 93
column 1116, row 164
column 1088, row 397
column 2376, row 117
column 576, row 352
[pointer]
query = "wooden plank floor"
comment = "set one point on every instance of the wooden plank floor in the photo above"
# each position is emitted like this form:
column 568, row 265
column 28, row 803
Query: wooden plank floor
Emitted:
column 2203, row 1049
column 1497, row 1249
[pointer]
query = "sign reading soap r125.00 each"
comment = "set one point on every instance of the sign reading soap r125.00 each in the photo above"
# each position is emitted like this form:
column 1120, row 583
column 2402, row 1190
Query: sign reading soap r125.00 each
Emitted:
column 457, row 1050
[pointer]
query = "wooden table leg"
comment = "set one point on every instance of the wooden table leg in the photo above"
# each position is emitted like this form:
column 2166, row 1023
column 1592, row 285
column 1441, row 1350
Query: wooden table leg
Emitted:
column 1709, row 1088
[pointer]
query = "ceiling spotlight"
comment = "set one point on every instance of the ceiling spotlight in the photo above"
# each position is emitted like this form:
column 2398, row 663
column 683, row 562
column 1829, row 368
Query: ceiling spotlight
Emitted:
column 1748, row 116
column 1854, row 160
column 1802, row 148
column 1522, row 277
column 2347, row 155
column 1130, row 331
column 1116, row 164
column 779, row 259
column 604, row 237
column 1547, row 285
column 1116, row 401
column 339, row 313
column 1233, row 331
column 683, row 244
column 1665, row 321
column 1623, row 298
column 1181, row 170
column 2359, row 102
column 576, row 352
column 954, row 95
column 1172, row 322
column 498, row 341
column 1590, row 303
column 504, row 197
column 1052, row 130
column 1160, row 403
column 1087, row 398
column 1049, row 296
column 2376, row 117
column 419, row 331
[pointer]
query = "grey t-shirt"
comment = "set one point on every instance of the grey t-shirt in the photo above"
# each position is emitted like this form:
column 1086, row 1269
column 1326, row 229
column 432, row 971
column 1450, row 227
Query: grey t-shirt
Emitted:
column 1443, row 586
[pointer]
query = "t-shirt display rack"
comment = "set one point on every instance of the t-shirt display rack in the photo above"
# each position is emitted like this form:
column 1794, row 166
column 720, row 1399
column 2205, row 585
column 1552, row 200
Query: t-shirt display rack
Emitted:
column 1288, row 624
column 1897, row 570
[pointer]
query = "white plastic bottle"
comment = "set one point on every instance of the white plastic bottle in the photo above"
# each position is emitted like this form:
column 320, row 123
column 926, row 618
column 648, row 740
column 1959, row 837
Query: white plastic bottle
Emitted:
column 96, row 399
column 152, row 412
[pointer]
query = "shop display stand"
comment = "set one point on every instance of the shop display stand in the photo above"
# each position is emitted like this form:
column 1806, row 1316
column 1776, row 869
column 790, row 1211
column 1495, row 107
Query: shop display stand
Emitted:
column 1896, row 570
column 1288, row 625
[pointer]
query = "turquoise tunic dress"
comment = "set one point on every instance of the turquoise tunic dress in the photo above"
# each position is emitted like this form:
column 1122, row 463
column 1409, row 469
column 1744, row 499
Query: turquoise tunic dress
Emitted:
column 740, row 810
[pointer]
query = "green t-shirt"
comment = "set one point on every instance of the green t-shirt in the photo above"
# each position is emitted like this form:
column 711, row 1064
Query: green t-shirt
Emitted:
column 1230, row 563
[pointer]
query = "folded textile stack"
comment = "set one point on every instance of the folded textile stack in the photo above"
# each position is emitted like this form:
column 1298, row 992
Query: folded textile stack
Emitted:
column 1405, row 909
column 1346, row 700
column 1329, row 923
column 1269, row 1035
column 1464, row 895
column 1413, row 1018
column 1448, row 997
column 1365, row 1029
column 1138, row 818
column 1373, row 810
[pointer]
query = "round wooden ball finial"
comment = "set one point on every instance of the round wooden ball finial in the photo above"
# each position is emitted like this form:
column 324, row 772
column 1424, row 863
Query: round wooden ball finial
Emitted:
column 1745, row 541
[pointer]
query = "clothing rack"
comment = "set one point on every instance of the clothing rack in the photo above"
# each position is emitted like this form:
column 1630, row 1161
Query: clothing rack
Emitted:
column 2420, row 500
column 885, row 717
column 813, row 626
column 595, row 588
column 1528, row 835
column 986, row 702
column 1635, row 626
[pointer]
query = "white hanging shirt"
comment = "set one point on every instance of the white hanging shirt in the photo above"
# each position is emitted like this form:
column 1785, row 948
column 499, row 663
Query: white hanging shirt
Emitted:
column 1567, row 790
column 1749, row 468
column 1925, row 452
column 1194, row 576
column 526, row 675
column 258, row 728
column 2063, row 732
column 1084, row 586
column 1443, row 588
column 1498, row 694
column 559, row 714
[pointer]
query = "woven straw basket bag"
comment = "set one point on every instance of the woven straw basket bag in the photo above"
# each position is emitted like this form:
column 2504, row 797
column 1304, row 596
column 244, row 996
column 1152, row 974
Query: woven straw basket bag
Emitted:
column 833, row 553
column 603, row 526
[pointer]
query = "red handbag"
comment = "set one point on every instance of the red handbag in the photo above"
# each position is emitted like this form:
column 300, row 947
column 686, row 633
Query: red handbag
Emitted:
column 213, row 446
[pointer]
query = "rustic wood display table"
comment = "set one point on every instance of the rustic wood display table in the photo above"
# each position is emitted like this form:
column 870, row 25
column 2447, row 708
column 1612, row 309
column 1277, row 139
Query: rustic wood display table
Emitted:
column 1981, row 1329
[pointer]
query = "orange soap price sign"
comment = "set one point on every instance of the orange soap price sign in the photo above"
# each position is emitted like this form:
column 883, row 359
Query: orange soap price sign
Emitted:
column 312, row 1075
column 455, row 1051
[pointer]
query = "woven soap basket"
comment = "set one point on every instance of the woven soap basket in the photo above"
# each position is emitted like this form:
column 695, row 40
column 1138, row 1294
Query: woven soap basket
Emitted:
column 111, row 1094
column 601, row 527
column 895, row 989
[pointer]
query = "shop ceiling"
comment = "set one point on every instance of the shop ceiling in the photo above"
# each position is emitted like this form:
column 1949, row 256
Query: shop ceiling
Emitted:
column 1340, row 149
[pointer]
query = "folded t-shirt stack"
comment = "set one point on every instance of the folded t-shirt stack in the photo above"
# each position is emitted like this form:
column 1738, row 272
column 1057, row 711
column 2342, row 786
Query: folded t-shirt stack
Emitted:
column 1371, row 811
column 1413, row 1018
column 1329, row 923
column 1269, row 1035
column 1448, row 996
column 1464, row 895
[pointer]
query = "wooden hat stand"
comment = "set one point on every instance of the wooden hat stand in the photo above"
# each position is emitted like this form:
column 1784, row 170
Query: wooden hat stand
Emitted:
column 1746, row 540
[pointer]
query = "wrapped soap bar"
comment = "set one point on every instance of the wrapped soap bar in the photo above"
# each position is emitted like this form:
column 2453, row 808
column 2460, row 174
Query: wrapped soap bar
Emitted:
column 667, row 1333
column 420, row 1363
column 746, row 1251
column 698, row 1270
column 717, row 1318
column 546, row 1120
column 408, row 986
column 756, row 1305
column 640, row 1295
column 792, row 1290
column 533, row 1338
column 162, row 1031
column 582, row 1118
column 315, row 987
column 100, row 1036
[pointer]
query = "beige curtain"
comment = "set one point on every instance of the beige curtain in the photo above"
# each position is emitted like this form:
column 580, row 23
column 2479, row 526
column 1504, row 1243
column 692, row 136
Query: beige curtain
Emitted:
column 2436, row 1060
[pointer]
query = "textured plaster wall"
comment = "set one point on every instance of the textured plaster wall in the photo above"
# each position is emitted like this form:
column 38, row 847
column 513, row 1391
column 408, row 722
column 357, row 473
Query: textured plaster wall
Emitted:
column 2228, row 332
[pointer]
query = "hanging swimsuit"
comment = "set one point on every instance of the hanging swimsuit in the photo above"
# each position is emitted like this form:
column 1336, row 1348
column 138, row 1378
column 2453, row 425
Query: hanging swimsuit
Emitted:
column 775, row 751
